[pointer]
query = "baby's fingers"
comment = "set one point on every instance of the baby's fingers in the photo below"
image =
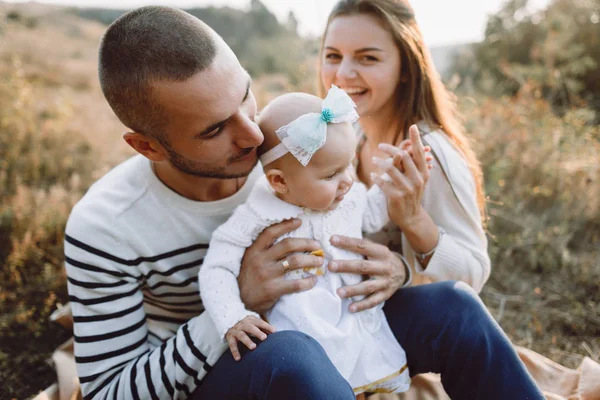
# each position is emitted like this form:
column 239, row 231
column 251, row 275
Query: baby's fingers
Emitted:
column 264, row 326
column 254, row 331
column 235, row 352
column 244, row 338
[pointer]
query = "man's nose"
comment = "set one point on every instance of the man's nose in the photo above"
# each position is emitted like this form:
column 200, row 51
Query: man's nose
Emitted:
column 248, row 134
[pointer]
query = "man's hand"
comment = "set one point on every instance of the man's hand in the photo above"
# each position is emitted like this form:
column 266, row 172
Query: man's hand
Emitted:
column 386, row 271
column 240, row 331
column 261, row 278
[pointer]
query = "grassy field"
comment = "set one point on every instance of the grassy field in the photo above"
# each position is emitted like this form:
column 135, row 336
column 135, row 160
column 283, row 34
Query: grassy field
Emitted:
column 57, row 135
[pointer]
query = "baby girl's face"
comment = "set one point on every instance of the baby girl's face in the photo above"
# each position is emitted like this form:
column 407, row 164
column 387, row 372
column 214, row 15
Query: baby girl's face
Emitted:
column 322, row 184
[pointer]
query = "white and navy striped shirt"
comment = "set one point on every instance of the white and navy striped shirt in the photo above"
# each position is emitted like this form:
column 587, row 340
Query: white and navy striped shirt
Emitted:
column 133, row 249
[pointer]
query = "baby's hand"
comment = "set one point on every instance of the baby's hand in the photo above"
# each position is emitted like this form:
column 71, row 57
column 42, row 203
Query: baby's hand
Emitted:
column 239, row 333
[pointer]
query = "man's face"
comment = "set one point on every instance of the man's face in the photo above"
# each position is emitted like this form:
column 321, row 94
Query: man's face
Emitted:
column 210, row 130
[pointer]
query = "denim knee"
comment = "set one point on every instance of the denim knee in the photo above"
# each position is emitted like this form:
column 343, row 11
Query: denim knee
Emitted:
column 459, row 296
column 301, row 366
column 296, row 353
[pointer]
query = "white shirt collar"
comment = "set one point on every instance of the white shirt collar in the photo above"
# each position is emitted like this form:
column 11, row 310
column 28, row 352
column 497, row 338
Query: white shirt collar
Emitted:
column 268, row 206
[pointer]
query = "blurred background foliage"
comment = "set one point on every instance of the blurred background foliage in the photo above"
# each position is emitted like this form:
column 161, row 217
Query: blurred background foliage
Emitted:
column 557, row 49
column 262, row 44
column 529, row 94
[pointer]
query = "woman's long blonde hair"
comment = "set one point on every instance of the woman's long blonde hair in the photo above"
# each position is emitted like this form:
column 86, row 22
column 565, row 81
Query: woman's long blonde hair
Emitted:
column 423, row 96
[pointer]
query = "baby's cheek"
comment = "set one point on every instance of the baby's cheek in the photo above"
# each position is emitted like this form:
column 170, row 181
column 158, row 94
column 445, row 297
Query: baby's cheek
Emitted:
column 321, row 196
column 329, row 193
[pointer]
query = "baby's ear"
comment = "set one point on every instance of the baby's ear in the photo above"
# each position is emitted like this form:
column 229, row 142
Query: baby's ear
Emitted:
column 276, row 179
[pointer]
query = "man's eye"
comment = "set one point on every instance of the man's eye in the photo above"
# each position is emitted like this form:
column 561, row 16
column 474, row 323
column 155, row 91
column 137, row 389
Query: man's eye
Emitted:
column 214, row 132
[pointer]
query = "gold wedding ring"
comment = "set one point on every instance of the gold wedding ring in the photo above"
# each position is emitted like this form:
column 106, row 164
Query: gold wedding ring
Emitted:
column 285, row 264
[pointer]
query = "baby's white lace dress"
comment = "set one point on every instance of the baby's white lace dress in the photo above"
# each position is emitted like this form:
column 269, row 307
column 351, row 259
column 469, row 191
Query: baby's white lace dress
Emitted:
column 361, row 345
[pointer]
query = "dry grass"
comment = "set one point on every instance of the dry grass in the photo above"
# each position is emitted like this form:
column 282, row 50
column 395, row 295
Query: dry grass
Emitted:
column 58, row 135
column 542, row 177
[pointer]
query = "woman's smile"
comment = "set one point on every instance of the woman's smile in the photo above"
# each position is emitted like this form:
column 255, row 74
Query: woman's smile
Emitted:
column 356, row 93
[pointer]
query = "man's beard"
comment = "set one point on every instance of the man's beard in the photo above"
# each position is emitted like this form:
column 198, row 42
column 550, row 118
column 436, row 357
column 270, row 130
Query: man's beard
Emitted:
column 202, row 170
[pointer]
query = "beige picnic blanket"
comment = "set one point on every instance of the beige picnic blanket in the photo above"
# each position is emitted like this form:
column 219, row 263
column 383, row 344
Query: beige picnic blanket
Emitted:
column 556, row 381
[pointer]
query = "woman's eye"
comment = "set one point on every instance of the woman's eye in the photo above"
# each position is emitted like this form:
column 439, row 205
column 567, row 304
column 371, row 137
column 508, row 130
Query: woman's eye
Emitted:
column 332, row 175
column 332, row 56
column 369, row 58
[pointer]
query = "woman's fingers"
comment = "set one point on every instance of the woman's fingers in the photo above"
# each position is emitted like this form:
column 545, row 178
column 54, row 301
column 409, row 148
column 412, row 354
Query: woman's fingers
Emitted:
column 404, row 145
column 416, row 177
column 389, row 149
column 409, row 150
column 387, row 187
column 400, row 158
column 417, row 147
column 395, row 170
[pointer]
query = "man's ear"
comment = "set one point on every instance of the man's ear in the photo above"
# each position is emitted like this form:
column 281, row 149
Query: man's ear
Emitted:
column 146, row 146
column 276, row 179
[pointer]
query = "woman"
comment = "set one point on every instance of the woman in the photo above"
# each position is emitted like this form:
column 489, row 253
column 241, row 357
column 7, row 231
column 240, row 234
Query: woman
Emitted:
column 373, row 49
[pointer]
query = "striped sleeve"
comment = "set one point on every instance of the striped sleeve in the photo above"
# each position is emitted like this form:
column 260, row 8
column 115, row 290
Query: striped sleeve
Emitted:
column 113, row 353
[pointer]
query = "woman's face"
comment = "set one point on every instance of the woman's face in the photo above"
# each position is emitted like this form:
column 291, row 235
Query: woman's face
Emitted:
column 360, row 57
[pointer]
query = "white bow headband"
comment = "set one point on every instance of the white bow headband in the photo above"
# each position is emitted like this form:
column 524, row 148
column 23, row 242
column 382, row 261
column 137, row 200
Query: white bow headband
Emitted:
column 307, row 134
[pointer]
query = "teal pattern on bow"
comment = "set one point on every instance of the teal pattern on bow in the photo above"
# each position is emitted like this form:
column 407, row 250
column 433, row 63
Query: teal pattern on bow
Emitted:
column 327, row 115
column 308, row 133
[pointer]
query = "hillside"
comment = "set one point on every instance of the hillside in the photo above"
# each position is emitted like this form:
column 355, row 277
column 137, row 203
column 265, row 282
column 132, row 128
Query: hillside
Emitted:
column 239, row 29
column 444, row 56
column 263, row 45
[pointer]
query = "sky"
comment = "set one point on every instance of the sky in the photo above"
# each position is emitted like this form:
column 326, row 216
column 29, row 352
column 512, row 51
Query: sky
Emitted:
column 442, row 21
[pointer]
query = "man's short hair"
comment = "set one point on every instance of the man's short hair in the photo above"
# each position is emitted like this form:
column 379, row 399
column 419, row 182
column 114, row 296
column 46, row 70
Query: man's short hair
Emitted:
column 148, row 45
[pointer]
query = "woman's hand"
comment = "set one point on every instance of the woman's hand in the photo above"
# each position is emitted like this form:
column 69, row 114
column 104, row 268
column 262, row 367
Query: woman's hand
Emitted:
column 386, row 270
column 264, row 265
column 409, row 173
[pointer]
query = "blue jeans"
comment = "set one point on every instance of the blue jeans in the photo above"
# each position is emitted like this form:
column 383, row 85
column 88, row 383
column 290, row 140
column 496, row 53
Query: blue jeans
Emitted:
column 287, row 365
column 443, row 327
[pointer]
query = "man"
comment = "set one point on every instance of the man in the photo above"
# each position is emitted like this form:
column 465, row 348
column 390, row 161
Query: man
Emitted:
column 136, row 240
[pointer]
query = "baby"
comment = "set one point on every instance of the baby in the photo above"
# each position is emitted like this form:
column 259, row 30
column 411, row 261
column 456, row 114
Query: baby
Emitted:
column 307, row 158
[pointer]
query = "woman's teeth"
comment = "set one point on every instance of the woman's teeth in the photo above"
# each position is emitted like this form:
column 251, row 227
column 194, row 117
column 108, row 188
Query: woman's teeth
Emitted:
column 354, row 90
